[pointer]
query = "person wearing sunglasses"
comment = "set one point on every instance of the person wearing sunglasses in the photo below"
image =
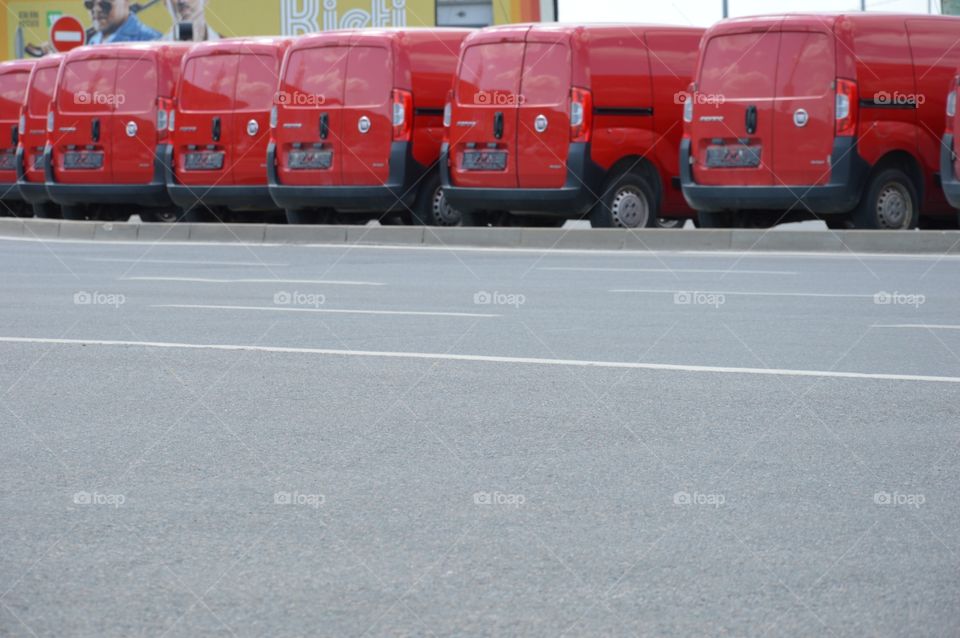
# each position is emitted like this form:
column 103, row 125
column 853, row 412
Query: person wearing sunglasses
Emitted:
column 114, row 22
column 192, row 12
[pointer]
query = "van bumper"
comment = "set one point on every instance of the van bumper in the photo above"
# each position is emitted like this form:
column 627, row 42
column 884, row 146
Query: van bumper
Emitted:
column 397, row 193
column 232, row 197
column 152, row 195
column 30, row 192
column 575, row 198
column 951, row 186
column 841, row 195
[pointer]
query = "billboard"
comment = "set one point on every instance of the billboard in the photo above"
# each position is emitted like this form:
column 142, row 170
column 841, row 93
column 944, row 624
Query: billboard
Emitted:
column 26, row 24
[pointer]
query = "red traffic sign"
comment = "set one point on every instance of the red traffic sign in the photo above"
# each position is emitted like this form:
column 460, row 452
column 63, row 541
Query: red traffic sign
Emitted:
column 67, row 33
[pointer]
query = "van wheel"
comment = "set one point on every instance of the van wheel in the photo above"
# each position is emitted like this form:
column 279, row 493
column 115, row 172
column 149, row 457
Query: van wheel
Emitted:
column 46, row 210
column 431, row 207
column 713, row 219
column 889, row 203
column 629, row 201
column 74, row 212
column 671, row 223
column 160, row 215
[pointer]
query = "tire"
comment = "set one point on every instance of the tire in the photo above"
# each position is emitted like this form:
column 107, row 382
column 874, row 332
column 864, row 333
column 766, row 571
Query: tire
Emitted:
column 712, row 219
column 161, row 215
column 671, row 223
column 431, row 207
column 890, row 202
column 46, row 210
column 629, row 201
column 74, row 212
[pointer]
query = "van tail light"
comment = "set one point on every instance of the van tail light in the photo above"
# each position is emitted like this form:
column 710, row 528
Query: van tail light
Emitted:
column 447, row 115
column 581, row 115
column 952, row 103
column 848, row 107
column 22, row 124
column 402, row 115
column 50, row 121
column 274, row 116
column 164, row 107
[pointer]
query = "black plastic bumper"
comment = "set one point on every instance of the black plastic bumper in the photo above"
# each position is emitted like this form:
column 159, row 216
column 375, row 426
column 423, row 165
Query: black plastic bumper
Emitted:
column 152, row 195
column 951, row 186
column 575, row 198
column 398, row 193
column 10, row 193
column 232, row 197
column 841, row 195
column 30, row 192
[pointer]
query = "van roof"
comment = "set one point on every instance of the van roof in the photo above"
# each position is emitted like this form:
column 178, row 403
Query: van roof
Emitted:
column 516, row 32
column 238, row 44
column 348, row 36
column 820, row 20
column 48, row 61
column 12, row 66
column 113, row 50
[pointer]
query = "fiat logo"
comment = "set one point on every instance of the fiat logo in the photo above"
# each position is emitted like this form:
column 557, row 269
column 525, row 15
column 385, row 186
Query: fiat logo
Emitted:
column 800, row 118
column 132, row 129
column 540, row 123
column 364, row 124
column 253, row 127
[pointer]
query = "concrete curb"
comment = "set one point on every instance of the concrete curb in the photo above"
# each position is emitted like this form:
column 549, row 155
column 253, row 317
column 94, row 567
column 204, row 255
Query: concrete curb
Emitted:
column 850, row 241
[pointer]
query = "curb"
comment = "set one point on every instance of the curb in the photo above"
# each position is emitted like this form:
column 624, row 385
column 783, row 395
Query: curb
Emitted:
column 847, row 241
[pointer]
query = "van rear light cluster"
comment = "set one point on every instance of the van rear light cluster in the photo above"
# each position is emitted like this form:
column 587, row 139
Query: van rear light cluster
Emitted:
column 164, row 108
column 447, row 115
column 22, row 124
column 402, row 115
column 49, row 121
column 848, row 106
column 274, row 116
column 952, row 103
column 581, row 115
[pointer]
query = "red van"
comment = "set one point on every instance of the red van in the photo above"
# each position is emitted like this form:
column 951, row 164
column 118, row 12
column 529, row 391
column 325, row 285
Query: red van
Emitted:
column 13, row 86
column 33, row 136
column 358, row 123
column 220, row 128
column 108, row 126
column 837, row 116
column 554, row 122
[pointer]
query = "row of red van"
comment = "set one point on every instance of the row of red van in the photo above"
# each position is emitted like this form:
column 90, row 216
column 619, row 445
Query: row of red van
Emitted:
column 752, row 122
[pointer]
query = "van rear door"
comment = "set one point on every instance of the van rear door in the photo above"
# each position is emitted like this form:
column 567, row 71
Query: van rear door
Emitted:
column 483, row 131
column 310, row 101
column 83, row 131
column 13, row 86
column 733, row 118
column 543, row 128
column 134, row 121
column 804, row 120
column 367, row 116
column 255, row 87
column 38, row 102
column 205, row 107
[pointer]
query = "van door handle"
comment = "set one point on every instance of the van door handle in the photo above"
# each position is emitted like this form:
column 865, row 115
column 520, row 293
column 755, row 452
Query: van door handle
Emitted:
column 95, row 133
column 216, row 129
column 324, row 126
column 751, row 120
column 498, row 125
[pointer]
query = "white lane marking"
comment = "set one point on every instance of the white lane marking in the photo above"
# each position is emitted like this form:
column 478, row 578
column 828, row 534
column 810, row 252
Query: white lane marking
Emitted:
column 338, row 311
column 663, row 367
column 747, row 294
column 921, row 326
column 182, row 262
column 216, row 280
column 719, row 271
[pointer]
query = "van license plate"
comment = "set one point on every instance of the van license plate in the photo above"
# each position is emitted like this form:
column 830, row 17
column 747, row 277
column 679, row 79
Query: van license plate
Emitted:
column 739, row 156
column 484, row 160
column 317, row 160
column 8, row 162
column 85, row 160
column 203, row 161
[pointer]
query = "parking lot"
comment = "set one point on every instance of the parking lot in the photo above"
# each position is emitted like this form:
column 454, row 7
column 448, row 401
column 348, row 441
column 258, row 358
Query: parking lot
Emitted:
column 252, row 440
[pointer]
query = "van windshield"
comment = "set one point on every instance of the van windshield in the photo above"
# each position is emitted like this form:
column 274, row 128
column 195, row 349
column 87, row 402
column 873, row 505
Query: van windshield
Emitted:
column 13, row 86
column 209, row 83
column 41, row 91
column 489, row 69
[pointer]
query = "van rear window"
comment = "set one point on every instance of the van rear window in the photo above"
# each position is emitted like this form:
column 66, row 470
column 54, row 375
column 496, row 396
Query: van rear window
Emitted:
column 487, row 69
column 315, row 76
column 13, row 86
column 136, row 86
column 256, row 82
column 369, row 77
column 209, row 83
column 741, row 65
column 546, row 73
column 88, row 86
column 41, row 91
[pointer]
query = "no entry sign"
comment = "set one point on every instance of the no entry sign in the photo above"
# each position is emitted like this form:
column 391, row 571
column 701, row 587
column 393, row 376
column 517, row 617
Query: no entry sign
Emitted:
column 67, row 33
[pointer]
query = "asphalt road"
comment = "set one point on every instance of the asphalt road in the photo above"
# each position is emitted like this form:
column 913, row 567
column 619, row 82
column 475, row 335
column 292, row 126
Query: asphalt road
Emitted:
column 469, row 442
